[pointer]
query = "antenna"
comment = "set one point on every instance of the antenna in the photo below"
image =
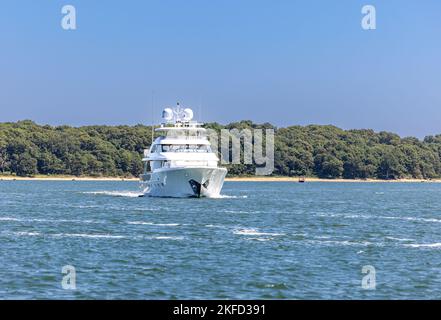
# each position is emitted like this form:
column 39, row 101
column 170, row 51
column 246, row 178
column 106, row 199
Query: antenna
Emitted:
column 153, row 131
column 200, row 109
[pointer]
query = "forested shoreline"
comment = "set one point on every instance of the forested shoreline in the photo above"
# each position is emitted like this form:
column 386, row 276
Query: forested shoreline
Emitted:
column 28, row 149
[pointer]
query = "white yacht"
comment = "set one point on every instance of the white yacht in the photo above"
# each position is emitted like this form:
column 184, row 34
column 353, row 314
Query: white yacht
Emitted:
column 180, row 162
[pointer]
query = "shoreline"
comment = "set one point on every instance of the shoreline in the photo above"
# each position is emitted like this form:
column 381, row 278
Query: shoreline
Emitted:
column 64, row 178
column 230, row 179
column 314, row 179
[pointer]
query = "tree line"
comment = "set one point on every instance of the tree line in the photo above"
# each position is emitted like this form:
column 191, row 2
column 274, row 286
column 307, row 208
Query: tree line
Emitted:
column 28, row 149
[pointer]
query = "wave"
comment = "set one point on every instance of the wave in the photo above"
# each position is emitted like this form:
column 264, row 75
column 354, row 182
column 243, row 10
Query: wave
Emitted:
column 87, row 235
column 255, row 232
column 24, row 233
column 224, row 196
column 133, row 194
column 68, row 235
column 423, row 245
column 343, row 243
column 93, row 236
column 154, row 224
column 49, row 220
column 130, row 194
column 261, row 239
column 367, row 216
column 215, row 226
column 412, row 219
column 168, row 238
column 240, row 211
column 323, row 237
column 399, row 239
column 9, row 219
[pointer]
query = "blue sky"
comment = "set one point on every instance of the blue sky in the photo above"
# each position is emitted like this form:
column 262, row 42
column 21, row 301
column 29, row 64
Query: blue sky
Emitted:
column 285, row 62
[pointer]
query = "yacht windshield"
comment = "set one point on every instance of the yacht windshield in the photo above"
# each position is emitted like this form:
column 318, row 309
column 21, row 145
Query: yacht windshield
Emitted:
column 185, row 148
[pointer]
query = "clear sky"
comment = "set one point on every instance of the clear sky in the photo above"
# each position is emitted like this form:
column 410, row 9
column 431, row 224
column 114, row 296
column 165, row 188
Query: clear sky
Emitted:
column 285, row 62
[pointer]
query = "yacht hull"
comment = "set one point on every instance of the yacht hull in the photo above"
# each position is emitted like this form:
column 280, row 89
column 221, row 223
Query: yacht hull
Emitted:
column 185, row 182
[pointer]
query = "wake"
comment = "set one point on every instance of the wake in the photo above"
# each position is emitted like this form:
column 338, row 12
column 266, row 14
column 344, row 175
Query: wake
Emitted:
column 224, row 196
column 133, row 194
column 129, row 194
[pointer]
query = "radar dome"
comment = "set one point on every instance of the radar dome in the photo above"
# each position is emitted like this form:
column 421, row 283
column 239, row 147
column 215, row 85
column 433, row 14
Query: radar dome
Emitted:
column 188, row 114
column 167, row 114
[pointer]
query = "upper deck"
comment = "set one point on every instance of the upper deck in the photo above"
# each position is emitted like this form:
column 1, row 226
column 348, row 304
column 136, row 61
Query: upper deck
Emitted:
column 180, row 139
column 178, row 125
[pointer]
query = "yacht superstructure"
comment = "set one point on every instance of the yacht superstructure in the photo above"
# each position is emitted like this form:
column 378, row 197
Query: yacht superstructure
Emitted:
column 180, row 162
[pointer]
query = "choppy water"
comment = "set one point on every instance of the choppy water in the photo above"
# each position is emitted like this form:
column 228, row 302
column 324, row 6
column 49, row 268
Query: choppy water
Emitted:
column 259, row 241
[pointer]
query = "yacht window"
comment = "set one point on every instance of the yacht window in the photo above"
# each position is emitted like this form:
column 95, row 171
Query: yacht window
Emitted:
column 185, row 148
column 204, row 148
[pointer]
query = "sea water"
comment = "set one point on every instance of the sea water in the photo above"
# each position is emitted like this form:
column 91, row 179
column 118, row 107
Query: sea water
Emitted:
column 259, row 240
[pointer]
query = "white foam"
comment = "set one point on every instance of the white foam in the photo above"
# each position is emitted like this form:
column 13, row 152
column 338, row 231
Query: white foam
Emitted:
column 130, row 194
column 9, row 219
column 224, row 196
column 154, row 224
column 239, row 211
column 168, row 238
column 323, row 237
column 260, row 239
column 423, row 245
column 412, row 219
column 342, row 243
column 87, row 235
column 140, row 222
column 87, row 207
column 94, row 236
column 214, row 226
column 24, row 233
column 399, row 239
column 255, row 232
column 366, row 216
column 49, row 220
